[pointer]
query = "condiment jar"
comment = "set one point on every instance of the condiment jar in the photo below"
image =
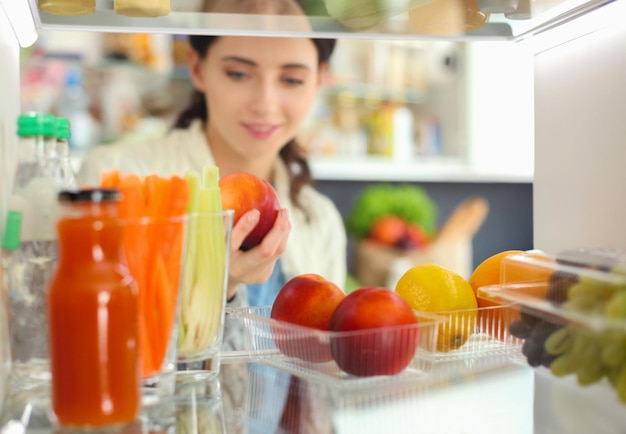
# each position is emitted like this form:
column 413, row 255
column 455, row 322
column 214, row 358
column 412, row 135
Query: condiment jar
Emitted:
column 93, row 316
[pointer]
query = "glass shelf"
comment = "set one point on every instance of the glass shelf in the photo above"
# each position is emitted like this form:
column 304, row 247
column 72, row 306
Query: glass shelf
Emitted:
column 411, row 19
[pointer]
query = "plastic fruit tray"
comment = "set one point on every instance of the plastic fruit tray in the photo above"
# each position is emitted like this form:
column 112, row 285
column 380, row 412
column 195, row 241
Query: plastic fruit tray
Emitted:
column 473, row 333
column 572, row 315
column 307, row 352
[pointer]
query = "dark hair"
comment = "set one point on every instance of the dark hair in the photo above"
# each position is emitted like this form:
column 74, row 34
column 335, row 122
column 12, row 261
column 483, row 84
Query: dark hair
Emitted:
column 292, row 154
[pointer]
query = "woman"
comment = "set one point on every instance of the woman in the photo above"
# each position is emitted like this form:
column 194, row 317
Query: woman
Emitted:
column 252, row 96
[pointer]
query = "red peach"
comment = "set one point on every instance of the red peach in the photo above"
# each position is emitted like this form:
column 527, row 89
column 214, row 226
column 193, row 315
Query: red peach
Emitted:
column 307, row 300
column 379, row 333
column 242, row 192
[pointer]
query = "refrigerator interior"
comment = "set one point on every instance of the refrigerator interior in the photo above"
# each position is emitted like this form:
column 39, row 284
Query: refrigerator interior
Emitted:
column 580, row 99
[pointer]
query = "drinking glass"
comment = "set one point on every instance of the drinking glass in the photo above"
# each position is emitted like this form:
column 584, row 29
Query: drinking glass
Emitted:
column 203, row 294
column 154, row 249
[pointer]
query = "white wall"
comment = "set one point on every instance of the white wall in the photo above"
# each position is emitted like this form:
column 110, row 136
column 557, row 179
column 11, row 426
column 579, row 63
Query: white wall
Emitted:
column 500, row 108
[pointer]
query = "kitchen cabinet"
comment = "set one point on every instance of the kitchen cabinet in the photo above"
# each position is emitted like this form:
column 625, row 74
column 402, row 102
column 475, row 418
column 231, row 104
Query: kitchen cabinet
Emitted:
column 579, row 99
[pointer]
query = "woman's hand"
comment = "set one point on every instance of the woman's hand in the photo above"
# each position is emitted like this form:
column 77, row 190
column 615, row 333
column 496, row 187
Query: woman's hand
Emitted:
column 256, row 265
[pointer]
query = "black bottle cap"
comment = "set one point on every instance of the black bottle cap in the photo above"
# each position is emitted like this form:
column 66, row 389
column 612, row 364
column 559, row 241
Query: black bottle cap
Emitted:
column 94, row 195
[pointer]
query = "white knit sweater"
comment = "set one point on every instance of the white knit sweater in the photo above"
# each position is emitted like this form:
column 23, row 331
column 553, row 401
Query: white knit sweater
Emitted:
column 317, row 242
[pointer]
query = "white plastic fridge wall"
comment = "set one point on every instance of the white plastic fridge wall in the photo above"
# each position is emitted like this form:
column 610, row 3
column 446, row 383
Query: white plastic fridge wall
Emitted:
column 9, row 110
column 580, row 134
column 580, row 175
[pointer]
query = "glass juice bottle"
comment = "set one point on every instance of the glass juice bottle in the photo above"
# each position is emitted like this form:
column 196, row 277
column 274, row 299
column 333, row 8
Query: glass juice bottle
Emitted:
column 93, row 316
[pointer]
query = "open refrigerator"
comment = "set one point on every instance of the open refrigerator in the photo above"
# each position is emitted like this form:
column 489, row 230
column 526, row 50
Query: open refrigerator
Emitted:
column 579, row 52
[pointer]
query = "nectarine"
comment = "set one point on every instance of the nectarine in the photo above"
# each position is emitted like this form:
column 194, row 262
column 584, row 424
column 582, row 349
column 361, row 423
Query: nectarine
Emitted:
column 379, row 333
column 242, row 192
column 307, row 300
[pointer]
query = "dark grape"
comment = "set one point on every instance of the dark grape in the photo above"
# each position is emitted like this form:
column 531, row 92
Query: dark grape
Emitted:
column 520, row 329
column 529, row 315
column 533, row 351
column 560, row 282
column 547, row 358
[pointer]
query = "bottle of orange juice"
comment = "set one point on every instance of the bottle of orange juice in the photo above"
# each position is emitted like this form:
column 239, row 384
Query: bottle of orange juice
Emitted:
column 93, row 316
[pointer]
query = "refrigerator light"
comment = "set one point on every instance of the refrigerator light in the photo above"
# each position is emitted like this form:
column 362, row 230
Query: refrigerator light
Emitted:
column 21, row 20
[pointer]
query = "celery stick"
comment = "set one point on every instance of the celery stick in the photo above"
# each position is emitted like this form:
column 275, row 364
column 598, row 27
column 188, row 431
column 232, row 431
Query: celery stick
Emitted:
column 193, row 179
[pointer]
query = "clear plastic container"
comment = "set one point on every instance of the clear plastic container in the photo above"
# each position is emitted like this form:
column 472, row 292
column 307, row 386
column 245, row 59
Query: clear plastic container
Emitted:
column 573, row 313
column 142, row 8
column 307, row 352
column 67, row 7
column 474, row 333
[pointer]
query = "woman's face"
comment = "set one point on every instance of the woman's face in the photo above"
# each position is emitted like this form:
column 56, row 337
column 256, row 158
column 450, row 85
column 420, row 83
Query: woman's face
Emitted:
column 258, row 91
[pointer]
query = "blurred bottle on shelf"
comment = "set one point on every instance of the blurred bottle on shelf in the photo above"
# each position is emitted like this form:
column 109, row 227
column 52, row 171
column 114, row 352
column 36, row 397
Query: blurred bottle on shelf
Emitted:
column 73, row 104
column 403, row 133
column 352, row 140
column 142, row 8
column 380, row 129
column 29, row 249
column 67, row 177
column 67, row 7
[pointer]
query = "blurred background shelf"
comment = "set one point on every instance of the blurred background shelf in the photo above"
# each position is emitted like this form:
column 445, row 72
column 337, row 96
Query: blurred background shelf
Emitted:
column 427, row 169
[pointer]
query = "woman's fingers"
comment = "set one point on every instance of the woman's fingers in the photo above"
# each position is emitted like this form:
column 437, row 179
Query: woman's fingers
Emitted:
column 256, row 265
column 243, row 227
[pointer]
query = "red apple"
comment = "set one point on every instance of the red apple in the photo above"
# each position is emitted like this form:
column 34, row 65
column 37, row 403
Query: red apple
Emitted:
column 379, row 333
column 388, row 230
column 307, row 300
column 242, row 192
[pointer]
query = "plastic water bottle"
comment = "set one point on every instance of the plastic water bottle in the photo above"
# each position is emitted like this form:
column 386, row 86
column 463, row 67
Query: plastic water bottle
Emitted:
column 29, row 250
column 73, row 105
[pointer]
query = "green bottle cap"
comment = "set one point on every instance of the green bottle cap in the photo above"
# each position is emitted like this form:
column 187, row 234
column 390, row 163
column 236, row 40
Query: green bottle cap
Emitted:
column 11, row 239
column 36, row 124
column 62, row 128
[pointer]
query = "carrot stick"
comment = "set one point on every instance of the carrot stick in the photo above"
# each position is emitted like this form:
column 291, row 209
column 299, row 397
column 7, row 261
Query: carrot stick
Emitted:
column 154, row 254
column 147, row 361
column 110, row 179
column 161, row 311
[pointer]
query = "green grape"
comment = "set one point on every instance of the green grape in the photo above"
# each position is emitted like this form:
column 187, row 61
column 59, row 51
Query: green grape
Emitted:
column 582, row 338
column 613, row 375
column 563, row 365
column 621, row 384
column 616, row 307
column 590, row 373
column 614, row 353
column 590, row 367
column 581, row 303
column 559, row 342
column 597, row 289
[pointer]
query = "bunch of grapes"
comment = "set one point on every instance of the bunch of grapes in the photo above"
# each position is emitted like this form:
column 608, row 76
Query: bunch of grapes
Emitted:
column 590, row 355
column 594, row 347
column 535, row 327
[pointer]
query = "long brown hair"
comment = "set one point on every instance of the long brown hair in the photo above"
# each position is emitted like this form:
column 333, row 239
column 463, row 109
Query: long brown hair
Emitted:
column 292, row 154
